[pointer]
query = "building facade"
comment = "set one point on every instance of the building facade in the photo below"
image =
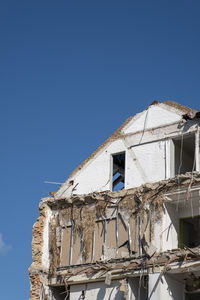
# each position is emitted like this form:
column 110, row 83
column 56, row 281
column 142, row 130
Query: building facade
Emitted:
column 125, row 224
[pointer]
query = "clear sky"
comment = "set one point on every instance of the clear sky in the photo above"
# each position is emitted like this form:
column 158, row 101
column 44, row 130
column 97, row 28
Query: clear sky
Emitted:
column 70, row 73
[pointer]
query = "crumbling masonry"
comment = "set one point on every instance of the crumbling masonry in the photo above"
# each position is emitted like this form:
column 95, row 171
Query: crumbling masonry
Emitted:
column 125, row 224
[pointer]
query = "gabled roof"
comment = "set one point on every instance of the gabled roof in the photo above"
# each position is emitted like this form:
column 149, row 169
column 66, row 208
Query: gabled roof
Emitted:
column 184, row 111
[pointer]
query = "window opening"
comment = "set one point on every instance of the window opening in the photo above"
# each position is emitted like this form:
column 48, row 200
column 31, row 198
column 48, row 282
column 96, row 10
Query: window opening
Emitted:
column 184, row 154
column 189, row 232
column 60, row 293
column 118, row 172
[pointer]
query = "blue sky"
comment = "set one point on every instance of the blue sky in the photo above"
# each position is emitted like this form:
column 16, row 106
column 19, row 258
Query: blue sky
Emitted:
column 70, row 73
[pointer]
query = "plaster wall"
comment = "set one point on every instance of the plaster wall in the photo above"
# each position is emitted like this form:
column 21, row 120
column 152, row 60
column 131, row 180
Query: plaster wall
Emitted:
column 144, row 163
column 147, row 164
column 159, row 133
column 167, row 289
column 169, row 232
column 97, row 290
column 156, row 241
column 96, row 175
column 153, row 117
column 45, row 248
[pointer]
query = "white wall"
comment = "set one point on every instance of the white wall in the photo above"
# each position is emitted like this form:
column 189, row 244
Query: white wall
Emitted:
column 97, row 290
column 154, row 116
column 95, row 176
column 169, row 230
column 45, row 247
column 147, row 164
column 144, row 163
column 167, row 289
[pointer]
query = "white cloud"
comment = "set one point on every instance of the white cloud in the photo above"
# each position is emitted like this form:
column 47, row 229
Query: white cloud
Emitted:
column 3, row 247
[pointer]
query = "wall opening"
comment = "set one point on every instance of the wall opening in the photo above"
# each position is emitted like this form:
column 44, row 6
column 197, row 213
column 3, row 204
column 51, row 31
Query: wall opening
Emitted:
column 118, row 171
column 184, row 154
column 192, row 296
column 189, row 233
column 60, row 293
column 139, row 287
column 192, row 287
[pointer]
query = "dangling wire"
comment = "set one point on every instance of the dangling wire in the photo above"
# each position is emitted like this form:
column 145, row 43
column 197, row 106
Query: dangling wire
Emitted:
column 145, row 122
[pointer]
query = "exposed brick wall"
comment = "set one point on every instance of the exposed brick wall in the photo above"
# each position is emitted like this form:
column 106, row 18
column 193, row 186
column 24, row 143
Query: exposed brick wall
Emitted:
column 37, row 241
column 35, row 285
column 37, row 244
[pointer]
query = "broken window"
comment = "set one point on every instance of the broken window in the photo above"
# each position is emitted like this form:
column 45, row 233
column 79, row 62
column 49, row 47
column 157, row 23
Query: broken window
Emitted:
column 184, row 154
column 189, row 232
column 118, row 171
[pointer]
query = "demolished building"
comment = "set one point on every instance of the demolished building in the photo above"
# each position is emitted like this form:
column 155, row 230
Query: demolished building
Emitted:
column 126, row 223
